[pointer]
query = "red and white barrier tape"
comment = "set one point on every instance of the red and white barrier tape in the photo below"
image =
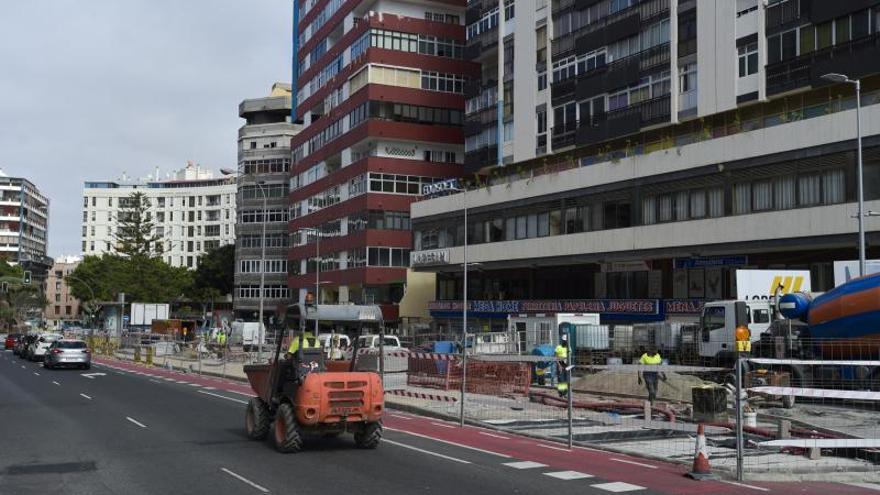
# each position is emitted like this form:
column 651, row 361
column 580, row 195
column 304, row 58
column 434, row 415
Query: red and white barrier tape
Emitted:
column 419, row 395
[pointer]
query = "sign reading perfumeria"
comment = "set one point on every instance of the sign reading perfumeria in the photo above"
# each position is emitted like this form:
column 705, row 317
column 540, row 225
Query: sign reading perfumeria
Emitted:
column 431, row 257
column 605, row 306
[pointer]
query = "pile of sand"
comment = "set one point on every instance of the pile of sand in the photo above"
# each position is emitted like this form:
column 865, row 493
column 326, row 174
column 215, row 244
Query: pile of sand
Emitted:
column 676, row 388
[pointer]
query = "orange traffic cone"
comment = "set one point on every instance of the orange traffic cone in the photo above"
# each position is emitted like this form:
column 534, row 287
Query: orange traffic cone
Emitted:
column 701, row 469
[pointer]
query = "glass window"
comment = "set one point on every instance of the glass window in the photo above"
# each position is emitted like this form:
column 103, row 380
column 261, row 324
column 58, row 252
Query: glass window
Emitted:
column 543, row 224
column 555, row 222
column 521, row 227
column 808, row 39
column 833, row 187
column 510, row 229
column 789, row 45
column 809, row 190
column 783, row 193
column 762, row 196
column 742, row 198
column 698, row 204
column 841, row 30
column 860, row 24
column 824, row 34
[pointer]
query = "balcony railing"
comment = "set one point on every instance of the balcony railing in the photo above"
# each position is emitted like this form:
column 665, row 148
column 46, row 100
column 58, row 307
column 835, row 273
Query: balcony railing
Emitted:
column 807, row 69
column 645, row 10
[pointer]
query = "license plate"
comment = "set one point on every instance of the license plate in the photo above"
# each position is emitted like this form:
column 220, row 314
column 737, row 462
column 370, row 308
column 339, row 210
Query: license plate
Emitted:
column 343, row 410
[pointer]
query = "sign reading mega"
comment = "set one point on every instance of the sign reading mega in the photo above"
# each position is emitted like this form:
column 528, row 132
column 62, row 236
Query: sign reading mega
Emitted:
column 431, row 257
column 762, row 284
column 606, row 306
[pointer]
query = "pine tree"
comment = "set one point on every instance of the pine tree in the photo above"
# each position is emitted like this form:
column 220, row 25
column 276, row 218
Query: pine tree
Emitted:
column 135, row 235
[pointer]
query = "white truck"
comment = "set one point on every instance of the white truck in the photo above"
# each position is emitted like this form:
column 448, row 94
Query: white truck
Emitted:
column 250, row 334
column 718, row 322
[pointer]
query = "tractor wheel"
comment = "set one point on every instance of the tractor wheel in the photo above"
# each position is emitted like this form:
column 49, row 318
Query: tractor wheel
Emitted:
column 286, row 435
column 369, row 437
column 257, row 419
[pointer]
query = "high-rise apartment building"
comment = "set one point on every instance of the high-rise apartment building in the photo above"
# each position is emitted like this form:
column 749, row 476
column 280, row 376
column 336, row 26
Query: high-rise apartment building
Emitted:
column 24, row 226
column 191, row 210
column 61, row 307
column 264, row 168
column 381, row 94
column 672, row 142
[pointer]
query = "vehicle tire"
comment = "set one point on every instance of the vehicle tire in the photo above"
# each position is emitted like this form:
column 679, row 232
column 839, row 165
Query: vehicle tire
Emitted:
column 286, row 434
column 369, row 437
column 88, row 366
column 257, row 419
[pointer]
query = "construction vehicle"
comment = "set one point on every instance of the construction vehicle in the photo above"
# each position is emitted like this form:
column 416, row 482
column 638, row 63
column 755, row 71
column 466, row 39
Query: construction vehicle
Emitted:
column 298, row 397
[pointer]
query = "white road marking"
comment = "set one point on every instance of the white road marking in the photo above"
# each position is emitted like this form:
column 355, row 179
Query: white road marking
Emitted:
column 193, row 384
column 169, row 379
column 244, row 480
column 436, row 454
column 551, row 447
column 56, row 383
column 493, row 435
column 91, row 376
column 618, row 487
column 155, row 381
column 568, row 475
column 524, row 465
column 22, row 366
column 634, row 463
column 86, row 396
column 36, row 373
column 442, row 425
column 401, row 417
column 136, row 422
column 208, row 388
column 753, row 487
column 505, row 456
column 223, row 397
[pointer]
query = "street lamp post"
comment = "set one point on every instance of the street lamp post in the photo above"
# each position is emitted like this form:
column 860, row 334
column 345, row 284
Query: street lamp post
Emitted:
column 841, row 78
column 464, row 307
column 260, row 184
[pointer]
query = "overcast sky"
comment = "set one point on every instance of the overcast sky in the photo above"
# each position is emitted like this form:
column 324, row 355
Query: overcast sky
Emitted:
column 93, row 88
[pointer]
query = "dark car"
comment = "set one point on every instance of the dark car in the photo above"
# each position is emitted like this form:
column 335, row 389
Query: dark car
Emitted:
column 11, row 340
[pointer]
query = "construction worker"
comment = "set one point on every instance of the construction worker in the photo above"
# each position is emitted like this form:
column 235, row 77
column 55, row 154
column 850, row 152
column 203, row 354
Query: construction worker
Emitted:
column 309, row 342
column 651, row 357
column 562, row 363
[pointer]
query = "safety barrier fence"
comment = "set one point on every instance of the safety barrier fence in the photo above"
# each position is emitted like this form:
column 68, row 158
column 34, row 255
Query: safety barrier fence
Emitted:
column 815, row 417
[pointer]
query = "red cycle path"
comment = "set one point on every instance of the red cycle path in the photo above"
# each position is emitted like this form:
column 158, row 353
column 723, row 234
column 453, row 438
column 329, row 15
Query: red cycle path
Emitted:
column 661, row 477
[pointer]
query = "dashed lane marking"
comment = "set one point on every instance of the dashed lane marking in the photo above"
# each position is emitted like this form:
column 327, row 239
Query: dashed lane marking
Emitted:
column 569, row 475
column 136, row 422
column 86, row 396
column 193, row 384
column 551, row 447
column 244, row 480
column 56, row 383
column 435, row 454
column 634, row 463
column 618, row 487
column 400, row 417
column 753, row 487
column 443, row 425
column 36, row 373
column 223, row 397
column 524, row 465
column 447, row 442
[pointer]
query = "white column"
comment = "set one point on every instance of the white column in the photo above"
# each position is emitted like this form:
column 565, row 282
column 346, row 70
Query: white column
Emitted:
column 675, row 83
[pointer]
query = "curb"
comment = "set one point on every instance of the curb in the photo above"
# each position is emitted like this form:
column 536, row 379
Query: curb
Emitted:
column 182, row 369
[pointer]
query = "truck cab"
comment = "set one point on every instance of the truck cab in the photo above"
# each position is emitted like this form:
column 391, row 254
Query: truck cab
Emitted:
column 718, row 322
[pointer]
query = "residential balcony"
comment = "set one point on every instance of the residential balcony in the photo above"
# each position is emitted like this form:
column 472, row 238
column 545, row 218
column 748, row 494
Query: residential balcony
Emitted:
column 623, row 121
column 269, row 104
column 855, row 58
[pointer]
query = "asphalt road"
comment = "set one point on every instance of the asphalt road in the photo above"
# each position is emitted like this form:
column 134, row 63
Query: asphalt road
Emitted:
column 106, row 431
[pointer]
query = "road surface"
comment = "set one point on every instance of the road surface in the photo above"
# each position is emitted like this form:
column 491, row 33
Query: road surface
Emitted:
column 123, row 429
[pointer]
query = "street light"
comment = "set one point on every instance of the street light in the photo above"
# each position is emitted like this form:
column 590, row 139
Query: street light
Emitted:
column 260, row 184
column 841, row 78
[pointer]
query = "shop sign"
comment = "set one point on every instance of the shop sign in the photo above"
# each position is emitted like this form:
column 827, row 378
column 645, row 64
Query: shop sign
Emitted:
column 605, row 306
column 683, row 306
column 431, row 257
column 700, row 261
column 439, row 187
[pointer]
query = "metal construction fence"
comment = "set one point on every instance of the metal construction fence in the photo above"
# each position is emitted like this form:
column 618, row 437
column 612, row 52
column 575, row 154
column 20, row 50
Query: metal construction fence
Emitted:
column 792, row 416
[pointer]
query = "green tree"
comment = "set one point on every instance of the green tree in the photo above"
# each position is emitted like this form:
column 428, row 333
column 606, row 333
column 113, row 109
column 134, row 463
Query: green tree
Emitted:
column 216, row 270
column 135, row 235
column 141, row 277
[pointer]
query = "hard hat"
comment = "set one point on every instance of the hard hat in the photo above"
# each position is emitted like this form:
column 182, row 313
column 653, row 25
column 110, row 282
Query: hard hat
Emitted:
column 564, row 337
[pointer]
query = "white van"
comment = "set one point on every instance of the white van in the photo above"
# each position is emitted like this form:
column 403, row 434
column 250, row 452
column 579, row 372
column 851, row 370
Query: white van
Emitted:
column 248, row 334
column 372, row 342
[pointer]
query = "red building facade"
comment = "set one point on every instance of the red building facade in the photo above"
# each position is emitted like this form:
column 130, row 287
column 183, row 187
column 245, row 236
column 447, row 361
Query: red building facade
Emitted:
column 381, row 95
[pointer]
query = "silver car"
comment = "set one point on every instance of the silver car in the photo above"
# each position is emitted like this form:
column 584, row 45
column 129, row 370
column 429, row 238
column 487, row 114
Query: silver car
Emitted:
column 68, row 352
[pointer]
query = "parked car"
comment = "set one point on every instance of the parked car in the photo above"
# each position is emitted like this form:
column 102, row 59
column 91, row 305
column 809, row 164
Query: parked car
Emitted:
column 68, row 352
column 40, row 346
column 23, row 345
column 11, row 340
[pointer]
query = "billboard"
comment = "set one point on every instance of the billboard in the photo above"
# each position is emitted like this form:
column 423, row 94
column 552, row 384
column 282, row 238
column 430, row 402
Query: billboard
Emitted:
column 761, row 284
column 143, row 314
column 844, row 271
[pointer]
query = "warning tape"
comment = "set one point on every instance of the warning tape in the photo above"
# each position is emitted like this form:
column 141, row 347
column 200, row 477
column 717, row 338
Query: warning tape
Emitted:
column 817, row 393
column 420, row 395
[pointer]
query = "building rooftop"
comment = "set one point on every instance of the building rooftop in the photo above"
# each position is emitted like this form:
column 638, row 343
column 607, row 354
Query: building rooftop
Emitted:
column 192, row 175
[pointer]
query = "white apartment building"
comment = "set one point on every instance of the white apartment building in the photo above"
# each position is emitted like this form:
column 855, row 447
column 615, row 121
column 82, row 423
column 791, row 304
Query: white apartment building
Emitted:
column 191, row 210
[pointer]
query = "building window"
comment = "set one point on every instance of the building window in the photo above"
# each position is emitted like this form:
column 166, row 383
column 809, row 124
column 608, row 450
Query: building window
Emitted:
column 748, row 59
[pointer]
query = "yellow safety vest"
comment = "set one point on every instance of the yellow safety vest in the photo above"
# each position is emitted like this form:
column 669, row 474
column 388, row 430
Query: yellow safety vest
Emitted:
column 655, row 359
column 309, row 341
column 561, row 352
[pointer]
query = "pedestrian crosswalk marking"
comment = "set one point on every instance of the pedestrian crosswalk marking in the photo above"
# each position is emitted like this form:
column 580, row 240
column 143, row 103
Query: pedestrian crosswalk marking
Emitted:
column 524, row 465
column 569, row 475
column 618, row 487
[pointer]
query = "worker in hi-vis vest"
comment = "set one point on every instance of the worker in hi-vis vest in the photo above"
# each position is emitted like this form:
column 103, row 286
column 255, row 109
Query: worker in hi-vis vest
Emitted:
column 309, row 342
column 561, row 365
column 651, row 357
